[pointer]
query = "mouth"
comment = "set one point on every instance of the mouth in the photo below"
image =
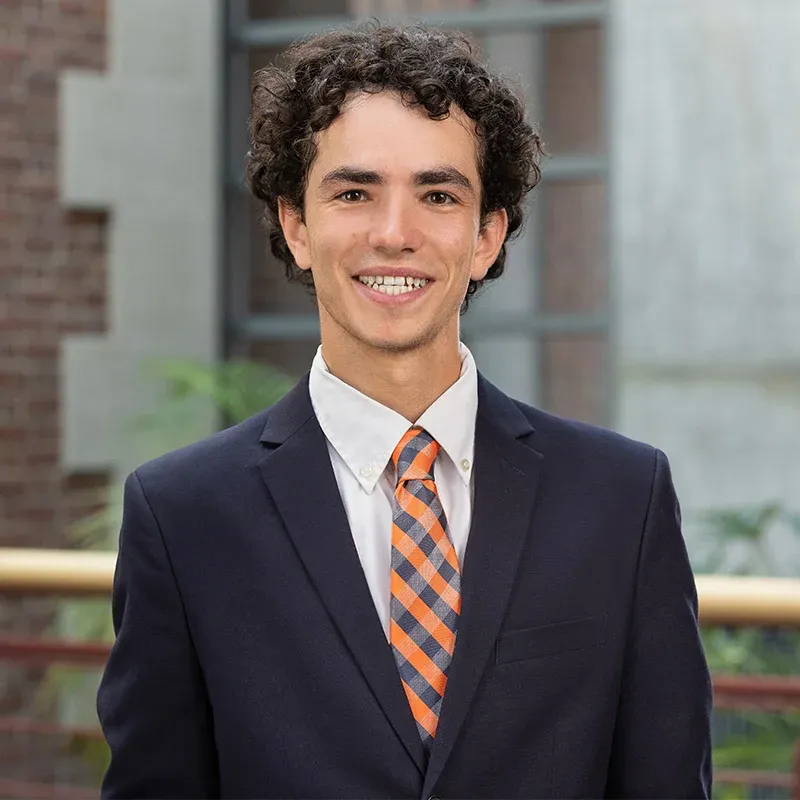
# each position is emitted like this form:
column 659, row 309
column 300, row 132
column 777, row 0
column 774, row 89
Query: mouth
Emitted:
column 393, row 285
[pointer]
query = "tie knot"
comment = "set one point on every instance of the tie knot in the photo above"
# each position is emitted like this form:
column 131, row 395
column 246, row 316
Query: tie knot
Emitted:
column 414, row 455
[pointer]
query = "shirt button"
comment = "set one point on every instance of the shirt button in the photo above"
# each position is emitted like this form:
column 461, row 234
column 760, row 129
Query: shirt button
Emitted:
column 465, row 464
column 365, row 472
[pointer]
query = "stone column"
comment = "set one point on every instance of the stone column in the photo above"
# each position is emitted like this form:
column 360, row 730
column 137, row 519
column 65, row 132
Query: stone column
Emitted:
column 706, row 206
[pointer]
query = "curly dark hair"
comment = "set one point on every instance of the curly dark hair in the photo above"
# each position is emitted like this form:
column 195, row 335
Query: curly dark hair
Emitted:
column 428, row 67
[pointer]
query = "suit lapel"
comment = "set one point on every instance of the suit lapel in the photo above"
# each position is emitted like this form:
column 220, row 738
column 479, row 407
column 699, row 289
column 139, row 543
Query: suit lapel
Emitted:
column 506, row 475
column 301, row 481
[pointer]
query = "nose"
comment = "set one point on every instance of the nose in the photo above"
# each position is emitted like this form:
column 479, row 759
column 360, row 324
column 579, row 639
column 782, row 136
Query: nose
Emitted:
column 394, row 227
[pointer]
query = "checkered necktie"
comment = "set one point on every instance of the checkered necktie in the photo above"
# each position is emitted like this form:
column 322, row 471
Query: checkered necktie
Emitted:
column 426, row 582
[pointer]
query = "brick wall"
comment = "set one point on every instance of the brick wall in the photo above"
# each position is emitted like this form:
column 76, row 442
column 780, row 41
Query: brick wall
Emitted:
column 52, row 284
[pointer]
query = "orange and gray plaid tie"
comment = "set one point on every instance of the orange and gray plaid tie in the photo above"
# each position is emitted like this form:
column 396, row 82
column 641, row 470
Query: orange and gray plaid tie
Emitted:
column 425, row 580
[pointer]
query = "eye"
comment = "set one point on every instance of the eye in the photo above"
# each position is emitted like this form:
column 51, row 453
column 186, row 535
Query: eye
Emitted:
column 441, row 198
column 352, row 195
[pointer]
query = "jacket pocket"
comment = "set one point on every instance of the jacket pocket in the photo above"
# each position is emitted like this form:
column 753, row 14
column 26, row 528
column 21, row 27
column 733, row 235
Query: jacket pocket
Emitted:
column 548, row 640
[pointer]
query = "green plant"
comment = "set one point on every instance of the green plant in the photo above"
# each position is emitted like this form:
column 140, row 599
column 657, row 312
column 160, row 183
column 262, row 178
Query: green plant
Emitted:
column 232, row 390
column 738, row 541
column 195, row 396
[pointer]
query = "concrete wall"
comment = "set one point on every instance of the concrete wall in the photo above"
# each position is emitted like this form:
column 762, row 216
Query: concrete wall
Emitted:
column 142, row 142
column 706, row 208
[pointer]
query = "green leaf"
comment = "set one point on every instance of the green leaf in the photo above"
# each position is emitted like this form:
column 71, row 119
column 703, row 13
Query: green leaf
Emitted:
column 748, row 524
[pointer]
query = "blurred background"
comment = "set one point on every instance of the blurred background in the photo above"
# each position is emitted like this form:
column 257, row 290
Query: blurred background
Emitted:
column 655, row 290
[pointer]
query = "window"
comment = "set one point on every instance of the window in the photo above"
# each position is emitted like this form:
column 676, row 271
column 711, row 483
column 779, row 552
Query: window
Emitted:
column 543, row 331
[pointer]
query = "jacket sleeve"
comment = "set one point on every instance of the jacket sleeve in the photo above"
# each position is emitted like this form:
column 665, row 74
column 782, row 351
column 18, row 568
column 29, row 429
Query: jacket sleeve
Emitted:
column 662, row 740
column 152, row 703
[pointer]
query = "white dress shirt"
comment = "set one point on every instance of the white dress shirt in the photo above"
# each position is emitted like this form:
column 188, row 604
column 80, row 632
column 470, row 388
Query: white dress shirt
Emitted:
column 362, row 434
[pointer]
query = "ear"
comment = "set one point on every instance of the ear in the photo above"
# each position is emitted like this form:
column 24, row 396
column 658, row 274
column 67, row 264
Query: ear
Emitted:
column 490, row 240
column 295, row 232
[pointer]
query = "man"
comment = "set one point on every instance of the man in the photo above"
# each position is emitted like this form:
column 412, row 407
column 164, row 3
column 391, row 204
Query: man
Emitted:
column 398, row 581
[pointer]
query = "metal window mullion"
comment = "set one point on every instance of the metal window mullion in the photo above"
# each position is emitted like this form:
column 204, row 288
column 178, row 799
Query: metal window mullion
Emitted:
column 284, row 31
column 563, row 324
column 575, row 167
column 237, row 219
column 283, row 327
column 278, row 327
column 537, row 223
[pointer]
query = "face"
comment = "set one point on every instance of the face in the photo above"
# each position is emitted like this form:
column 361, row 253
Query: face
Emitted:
column 391, row 230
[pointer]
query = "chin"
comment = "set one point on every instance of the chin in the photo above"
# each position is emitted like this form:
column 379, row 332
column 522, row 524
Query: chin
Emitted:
column 397, row 344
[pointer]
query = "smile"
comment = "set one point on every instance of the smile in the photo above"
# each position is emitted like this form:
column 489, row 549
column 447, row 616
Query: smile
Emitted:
column 392, row 285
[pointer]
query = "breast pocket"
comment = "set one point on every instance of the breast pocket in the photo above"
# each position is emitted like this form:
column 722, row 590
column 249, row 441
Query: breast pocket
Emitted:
column 548, row 640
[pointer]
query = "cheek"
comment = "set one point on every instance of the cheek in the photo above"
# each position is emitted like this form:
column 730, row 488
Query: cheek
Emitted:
column 458, row 253
column 331, row 246
column 457, row 236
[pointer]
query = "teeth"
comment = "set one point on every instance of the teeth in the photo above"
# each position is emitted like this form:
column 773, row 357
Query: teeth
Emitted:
column 391, row 284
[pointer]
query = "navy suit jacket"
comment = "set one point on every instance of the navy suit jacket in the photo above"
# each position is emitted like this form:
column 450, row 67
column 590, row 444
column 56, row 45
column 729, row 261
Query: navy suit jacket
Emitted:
column 250, row 661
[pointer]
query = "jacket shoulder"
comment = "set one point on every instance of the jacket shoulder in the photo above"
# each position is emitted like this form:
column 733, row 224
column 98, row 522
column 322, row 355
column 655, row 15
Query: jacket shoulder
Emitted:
column 209, row 460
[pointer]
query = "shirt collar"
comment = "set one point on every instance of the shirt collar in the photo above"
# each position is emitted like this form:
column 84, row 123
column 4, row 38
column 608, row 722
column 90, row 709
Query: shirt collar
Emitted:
column 364, row 432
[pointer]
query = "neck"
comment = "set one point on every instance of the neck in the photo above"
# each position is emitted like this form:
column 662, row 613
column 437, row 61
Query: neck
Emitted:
column 408, row 382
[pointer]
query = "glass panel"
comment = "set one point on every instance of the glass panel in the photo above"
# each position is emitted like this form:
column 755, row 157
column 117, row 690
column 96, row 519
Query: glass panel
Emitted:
column 574, row 100
column 279, row 9
column 573, row 383
column 508, row 360
column 260, row 57
column 485, row 3
column 261, row 9
column 269, row 290
column 574, row 274
column 266, row 289
column 383, row 7
column 294, row 358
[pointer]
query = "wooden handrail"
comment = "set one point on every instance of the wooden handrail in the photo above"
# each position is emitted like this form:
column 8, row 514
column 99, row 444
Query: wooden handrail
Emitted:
column 739, row 601
column 29, row 571
column 724, row 599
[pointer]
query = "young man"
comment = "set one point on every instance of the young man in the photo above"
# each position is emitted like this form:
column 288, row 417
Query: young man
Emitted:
column 398, row 581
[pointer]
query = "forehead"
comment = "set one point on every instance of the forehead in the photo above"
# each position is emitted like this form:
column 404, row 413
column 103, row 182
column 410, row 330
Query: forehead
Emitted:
column 380, row 131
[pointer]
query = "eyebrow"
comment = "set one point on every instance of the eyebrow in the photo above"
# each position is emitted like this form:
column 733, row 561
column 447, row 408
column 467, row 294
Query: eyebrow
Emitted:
column 437, row 176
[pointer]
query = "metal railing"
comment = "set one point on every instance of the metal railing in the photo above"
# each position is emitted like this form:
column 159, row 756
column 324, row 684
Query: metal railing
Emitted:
column 724, row 601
